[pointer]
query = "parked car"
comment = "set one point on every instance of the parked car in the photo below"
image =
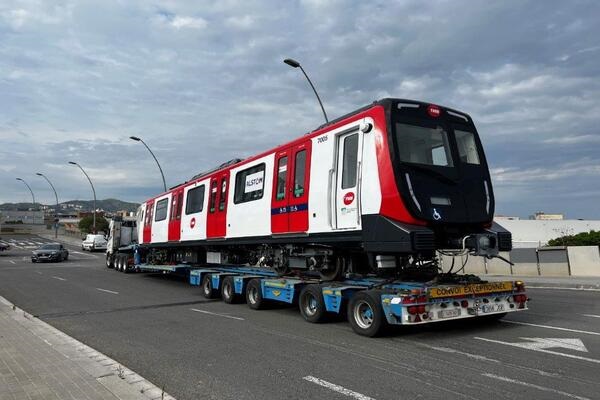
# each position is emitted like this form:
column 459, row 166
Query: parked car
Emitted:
column 50, row 252
column 94, row 242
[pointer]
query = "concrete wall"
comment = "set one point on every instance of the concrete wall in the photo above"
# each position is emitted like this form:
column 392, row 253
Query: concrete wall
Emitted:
column 553, row 261
column 584, row 260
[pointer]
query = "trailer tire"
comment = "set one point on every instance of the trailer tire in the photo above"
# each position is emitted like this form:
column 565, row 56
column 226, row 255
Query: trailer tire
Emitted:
column 228, row 291
column 254, row 296
column 207, row 288
column 110, row 261
column 365, row 313
column 312, row 304
column 125, row 268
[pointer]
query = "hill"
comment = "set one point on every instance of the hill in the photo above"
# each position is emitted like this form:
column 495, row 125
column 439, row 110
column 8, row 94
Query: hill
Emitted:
column 110, row 205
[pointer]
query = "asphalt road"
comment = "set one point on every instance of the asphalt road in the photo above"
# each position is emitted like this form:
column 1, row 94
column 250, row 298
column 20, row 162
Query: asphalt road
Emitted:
column 163, row 329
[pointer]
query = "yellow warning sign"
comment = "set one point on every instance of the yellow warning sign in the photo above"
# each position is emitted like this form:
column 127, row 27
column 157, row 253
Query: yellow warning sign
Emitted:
column 480, row 288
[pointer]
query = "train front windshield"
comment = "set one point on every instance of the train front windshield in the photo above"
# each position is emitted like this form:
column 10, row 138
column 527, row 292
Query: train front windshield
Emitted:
column 440, row 166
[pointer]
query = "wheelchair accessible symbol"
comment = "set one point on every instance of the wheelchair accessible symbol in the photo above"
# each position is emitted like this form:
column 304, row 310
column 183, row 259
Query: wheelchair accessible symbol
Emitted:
column 436, row 215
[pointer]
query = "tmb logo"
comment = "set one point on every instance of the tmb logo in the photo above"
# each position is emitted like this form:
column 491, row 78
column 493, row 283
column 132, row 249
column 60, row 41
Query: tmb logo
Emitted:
column 192, row 223
column 348, row 198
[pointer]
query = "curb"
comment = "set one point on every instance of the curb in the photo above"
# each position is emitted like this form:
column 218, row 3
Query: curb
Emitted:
column 122, row 382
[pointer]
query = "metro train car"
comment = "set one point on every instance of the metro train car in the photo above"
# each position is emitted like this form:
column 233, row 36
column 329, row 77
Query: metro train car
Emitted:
column 377, row 191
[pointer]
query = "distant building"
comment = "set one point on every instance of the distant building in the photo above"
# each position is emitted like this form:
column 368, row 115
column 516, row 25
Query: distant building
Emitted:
column 22, row 217
column 542, row 216
column 506, row 218
column 535, row 233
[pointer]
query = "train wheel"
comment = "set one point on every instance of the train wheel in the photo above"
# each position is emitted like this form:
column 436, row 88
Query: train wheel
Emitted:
column 254, row 296
column 228, row 291
column 365, row 313
column 207, row 287
column 334, row 272
column 312, row 304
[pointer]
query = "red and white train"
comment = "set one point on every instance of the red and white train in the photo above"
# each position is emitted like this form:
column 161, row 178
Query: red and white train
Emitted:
column 379, row 189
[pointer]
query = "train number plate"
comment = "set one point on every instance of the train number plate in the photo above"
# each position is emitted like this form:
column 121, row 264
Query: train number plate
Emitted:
column 449, row 313
column 490, row 308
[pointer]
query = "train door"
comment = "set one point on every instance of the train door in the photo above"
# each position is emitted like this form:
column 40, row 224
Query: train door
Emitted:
column 216, row 223
column 289, row 205
column 148, row 221
column 347, row 190
column 175, row 216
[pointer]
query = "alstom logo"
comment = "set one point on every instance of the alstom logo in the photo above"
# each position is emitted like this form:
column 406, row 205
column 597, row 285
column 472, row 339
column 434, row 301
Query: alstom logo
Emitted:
column 348, row 198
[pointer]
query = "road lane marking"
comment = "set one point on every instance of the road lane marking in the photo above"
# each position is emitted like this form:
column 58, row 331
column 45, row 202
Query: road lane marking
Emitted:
column 337, row 388
column 454, row 351
column 591, row 315
column 558, row 328
column 563, row 288
column 541, row 350
column 107, row 291
column 217, row 314
column 531, row 385
column 38, row 272
column 11, row 261
column 59, row 278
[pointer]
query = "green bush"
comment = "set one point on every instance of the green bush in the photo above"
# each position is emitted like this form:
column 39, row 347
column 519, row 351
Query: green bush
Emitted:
column 591, row 238
column 85, row 224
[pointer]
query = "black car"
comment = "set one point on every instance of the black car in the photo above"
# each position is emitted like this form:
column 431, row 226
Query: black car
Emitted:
column 50, row 252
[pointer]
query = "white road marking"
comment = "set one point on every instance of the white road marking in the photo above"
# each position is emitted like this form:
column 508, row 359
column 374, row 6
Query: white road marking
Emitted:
column 591, row 315
column 217, row 314
column 38, row 272
column 11, row 261
column 454, row 351
column 558, row 328
column 525, row 346
column 563, row 288
column 337, row 388
column 59, row 278
column 531, row 385
column 107, row 291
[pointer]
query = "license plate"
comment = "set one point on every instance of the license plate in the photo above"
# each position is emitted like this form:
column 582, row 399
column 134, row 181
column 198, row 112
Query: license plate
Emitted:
column 490, row 308
column 449, row 313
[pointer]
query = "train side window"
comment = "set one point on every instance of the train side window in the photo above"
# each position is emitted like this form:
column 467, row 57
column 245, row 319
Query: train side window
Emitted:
column 350, row 161
column 249, row 184
column 281, row 178
column 213, row 196
column 195, row 200
column 161, row 210
column 299, row 173
column 223, row 194
column 174, row 206
column 179, row 205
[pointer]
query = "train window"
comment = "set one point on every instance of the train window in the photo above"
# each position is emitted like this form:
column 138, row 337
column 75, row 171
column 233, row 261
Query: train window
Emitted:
column 174, row 208
column 223, row 194
column 249, row 184
column 299, row 173
column 179, row 205
column 467, row 149
column 161, row 210
column 213, row 196
column 423, row 145
column 350, row 161
column 194, row 200
column 281, row 178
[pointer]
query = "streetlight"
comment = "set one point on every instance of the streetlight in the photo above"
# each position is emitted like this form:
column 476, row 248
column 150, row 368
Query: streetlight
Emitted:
column 56, row 211
column 295, row 64
column 93, row 191
column 137, row 139
column 32, row 196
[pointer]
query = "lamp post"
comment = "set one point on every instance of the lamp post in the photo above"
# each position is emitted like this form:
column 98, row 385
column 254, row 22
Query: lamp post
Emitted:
column 295, row 64
column 93, row 191
column 137, row 139
column 56, row 210
column 32, row 196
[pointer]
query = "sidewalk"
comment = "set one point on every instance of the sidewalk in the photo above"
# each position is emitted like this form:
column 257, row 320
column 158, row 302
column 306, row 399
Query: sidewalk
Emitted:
column 570, row 282
column 61, row 238
column 37, row 361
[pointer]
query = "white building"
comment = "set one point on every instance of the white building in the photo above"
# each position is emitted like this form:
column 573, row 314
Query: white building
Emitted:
column 534, row 233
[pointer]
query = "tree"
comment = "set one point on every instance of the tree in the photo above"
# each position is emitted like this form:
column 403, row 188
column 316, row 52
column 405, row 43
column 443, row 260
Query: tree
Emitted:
column 591, row 238
column 85, row 225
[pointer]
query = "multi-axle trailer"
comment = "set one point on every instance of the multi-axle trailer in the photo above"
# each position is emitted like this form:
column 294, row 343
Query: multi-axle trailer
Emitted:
column 370, row 303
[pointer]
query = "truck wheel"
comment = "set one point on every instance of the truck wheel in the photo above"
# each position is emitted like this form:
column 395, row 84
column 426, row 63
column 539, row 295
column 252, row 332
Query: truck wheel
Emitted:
column 207, row 287
column 312, row 304
column 120, row 262
column 110, row 261
column 125, row 264
column 228, row 291
column 365, row 313
column 254, row 296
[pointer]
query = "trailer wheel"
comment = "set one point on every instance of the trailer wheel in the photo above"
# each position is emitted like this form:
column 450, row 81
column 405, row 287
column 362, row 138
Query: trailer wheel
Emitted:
column 207, row 288
column 125, row 263
column 228, row 291
column 254, row 296
column 365, row 313
column 312, row 304
column 109, row 260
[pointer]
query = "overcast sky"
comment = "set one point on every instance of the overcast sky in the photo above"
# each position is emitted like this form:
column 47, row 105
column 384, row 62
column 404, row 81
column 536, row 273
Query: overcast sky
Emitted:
column 204, row 82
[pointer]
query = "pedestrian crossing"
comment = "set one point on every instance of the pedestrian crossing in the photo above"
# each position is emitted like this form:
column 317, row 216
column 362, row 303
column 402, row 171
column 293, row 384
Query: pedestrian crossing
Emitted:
column 24, row 243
